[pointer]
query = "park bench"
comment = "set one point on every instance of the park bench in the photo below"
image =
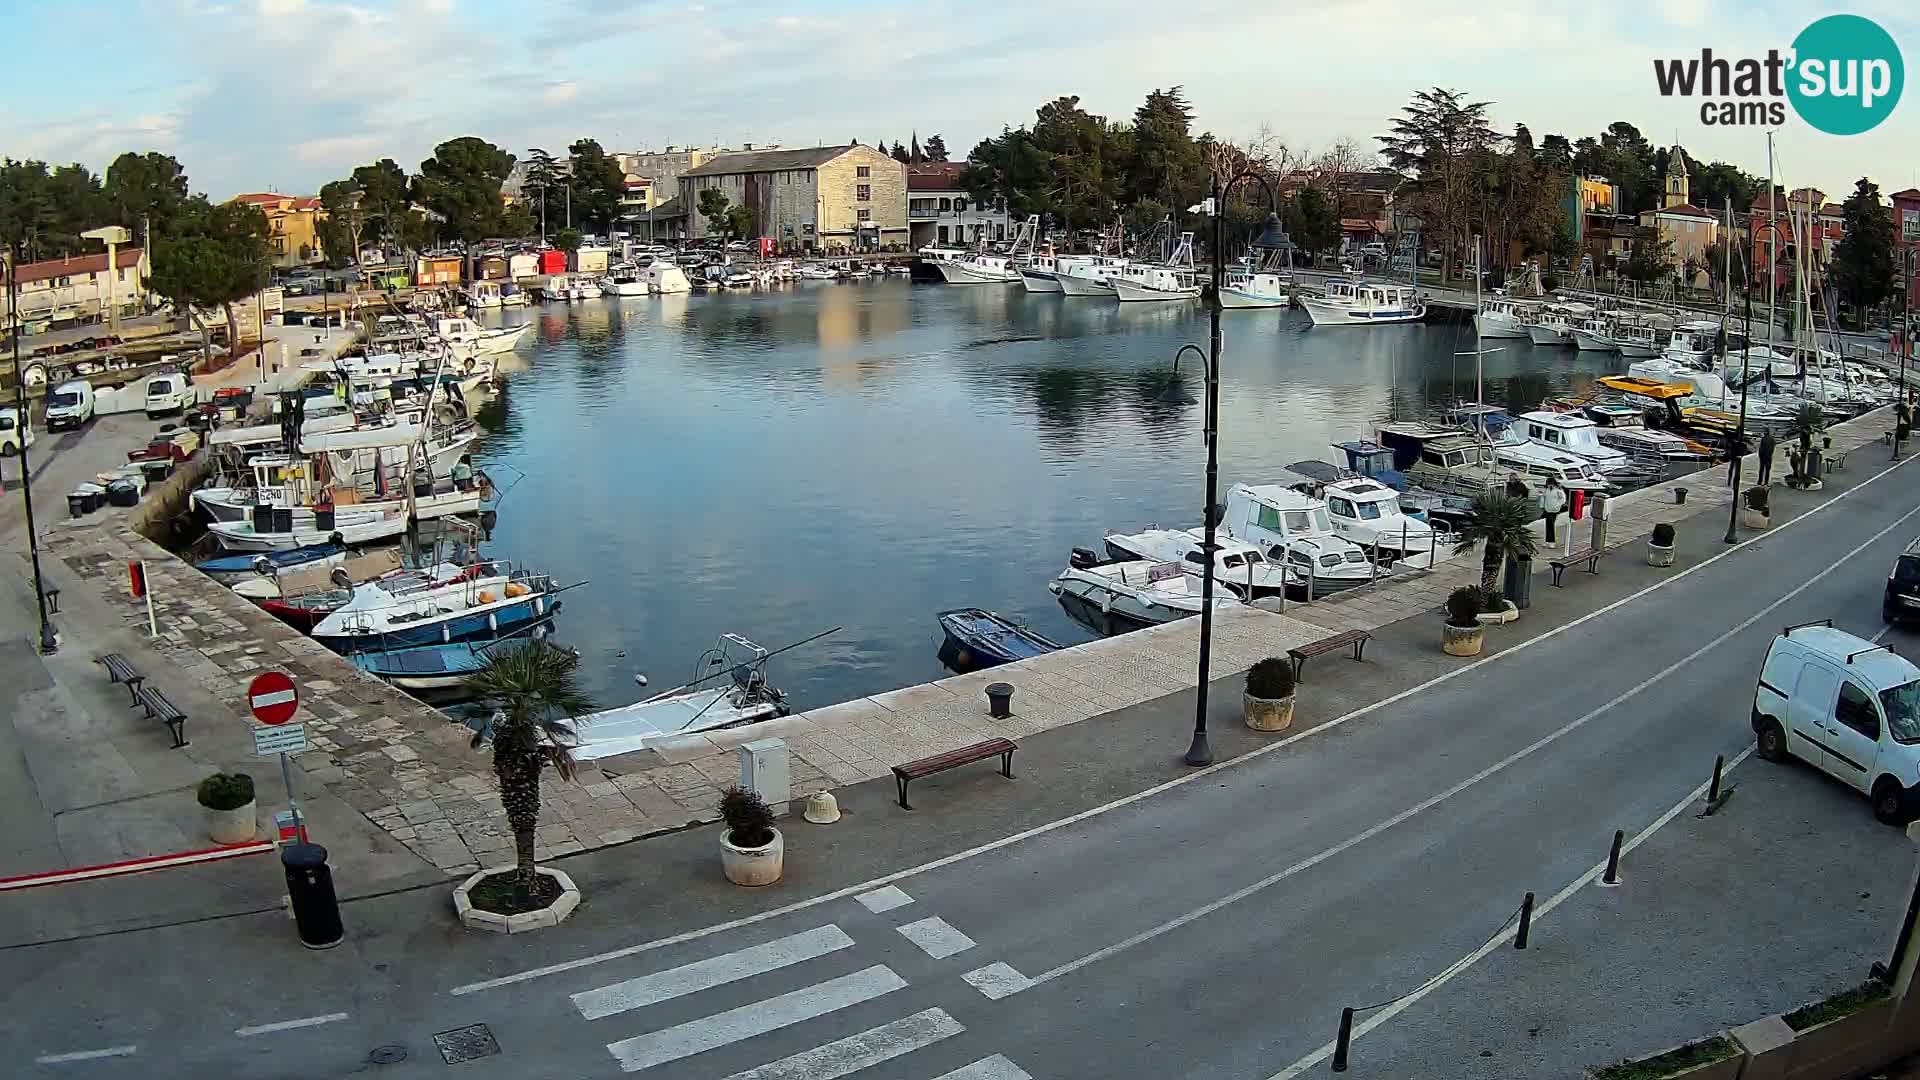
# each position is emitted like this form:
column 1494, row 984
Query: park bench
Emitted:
column 159, row 708
column 1575, row 558
column 953, row 759
column 1836, row 460
column 1356, row 638
column 123, row 673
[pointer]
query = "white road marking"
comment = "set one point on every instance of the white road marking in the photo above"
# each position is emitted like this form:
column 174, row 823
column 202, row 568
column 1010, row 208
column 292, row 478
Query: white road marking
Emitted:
column 1593, row 874
column 277, row 697
column 1182, row 780
column 1434, row 800
column 996, row 1067
column 1883, row 633
column 85, row 1055
column 886, row 899
column 720, row 1029
column 936, row 937
column 705, row 974
column 997, row 981
column 843, row 1057
column 289, row 1025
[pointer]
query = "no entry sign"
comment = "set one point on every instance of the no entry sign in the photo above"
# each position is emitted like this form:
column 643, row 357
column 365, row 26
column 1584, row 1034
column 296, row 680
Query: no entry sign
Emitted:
column 272, row 698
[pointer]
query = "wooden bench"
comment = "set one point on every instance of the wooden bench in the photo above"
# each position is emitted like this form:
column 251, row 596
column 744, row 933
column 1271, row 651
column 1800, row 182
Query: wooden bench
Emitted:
column 122, row 672
column 52, row 593
column 1574, row 558
column 1356, row 638
column 1836, row 460
column 159, row 708
column 953, row 759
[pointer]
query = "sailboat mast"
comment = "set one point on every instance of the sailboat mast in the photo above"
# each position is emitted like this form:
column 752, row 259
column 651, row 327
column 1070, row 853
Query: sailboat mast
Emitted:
column 1773, row 242
column 1479, row 346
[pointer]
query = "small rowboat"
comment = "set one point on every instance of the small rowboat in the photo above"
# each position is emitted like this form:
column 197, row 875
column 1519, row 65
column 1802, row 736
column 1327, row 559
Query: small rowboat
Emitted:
column 977, row 638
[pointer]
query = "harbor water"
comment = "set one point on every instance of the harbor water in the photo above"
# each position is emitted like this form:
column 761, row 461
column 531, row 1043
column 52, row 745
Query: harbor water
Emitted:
column 867, row 454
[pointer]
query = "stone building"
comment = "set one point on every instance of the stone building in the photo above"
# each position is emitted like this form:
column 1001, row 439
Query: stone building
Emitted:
column 1687, row 229
column 822, row 198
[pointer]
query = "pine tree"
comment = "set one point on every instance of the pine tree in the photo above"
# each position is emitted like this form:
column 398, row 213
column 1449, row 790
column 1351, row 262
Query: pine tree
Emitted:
column 914, row 156
column 1862, row 267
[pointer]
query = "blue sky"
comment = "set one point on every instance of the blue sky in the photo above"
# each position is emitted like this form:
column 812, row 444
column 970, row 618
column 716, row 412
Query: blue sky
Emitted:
column 286, row 94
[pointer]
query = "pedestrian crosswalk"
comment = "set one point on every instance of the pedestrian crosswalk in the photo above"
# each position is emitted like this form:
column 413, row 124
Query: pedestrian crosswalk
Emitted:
column 788, row 1018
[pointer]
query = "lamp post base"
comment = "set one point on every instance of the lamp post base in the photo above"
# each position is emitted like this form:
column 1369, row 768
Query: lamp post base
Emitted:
column 1200, row 753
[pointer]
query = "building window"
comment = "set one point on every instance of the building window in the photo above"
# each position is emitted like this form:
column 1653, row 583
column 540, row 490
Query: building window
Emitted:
column 863, row 193
column 946, row 205
column 864, row 214
column 863, row 171
column 959, row 206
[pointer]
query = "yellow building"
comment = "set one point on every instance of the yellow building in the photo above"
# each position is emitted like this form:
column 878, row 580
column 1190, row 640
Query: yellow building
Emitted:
column 293, row 227
column 1687, row 228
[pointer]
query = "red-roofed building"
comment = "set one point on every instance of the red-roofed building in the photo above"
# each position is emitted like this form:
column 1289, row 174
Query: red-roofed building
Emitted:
column 1906, row 240
column 76, row 288
column 1688, row 228
column 939, row 210
column 1778, row 217
column 293, row 227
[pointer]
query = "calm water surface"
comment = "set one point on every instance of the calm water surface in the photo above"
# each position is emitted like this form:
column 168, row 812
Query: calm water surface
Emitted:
column 869, row 454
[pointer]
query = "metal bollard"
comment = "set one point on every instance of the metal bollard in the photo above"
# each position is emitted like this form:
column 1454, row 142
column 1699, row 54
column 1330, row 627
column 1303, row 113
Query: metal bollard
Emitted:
column 1526, row 922
column 1713, row 791
column 316, row 912
column 1343, row 1041
column 1612, row 876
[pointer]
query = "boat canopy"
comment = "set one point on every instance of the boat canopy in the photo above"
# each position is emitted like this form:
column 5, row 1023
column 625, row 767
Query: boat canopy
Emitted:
column 362, row 439
column 1653, row 388
column 245, row 436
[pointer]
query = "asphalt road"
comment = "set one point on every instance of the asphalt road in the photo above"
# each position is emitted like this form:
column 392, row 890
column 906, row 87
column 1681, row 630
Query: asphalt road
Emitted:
column 1211, row 928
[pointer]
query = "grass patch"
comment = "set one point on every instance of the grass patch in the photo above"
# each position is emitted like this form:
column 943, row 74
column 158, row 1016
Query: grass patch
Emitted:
column 1844, row 1003
column 504, row 894
column 1704, row 1052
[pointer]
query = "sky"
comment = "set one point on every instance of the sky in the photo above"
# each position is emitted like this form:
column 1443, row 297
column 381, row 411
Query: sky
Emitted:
column 285, row 95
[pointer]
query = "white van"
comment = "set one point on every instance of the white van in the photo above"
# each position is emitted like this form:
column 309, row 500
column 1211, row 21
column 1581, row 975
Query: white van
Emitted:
column 70, row 405
column 11, row 437
column 166, row 394
column 1846, row 706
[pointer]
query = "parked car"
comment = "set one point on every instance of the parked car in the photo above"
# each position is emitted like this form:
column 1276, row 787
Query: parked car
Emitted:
column 1902, row 600
column 70, row 405
column 11, row 436
column 166, row 394
column 1846, row 706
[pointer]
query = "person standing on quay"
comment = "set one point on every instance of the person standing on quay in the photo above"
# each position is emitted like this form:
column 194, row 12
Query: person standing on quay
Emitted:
column 1766, row 456
column 1553, row 500
column 1516, row 487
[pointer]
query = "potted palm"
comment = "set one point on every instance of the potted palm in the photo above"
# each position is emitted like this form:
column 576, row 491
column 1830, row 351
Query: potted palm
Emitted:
column 752, row 852
column 1755, row 508
column 536, row 695
column 1496, row 609
column 1268, row 704
column 228, row 799
column 1808, row 421
column 1462, row 635
column 1500, row 524
column 1660, row 546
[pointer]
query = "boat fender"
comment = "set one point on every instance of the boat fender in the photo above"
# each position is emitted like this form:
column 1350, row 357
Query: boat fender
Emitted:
column 493, row 621
column 539, row 605
column 1106, row 602
column 446, row 635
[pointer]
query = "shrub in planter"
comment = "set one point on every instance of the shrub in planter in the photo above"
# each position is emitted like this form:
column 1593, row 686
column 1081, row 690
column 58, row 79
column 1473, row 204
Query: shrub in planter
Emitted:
column 1695, row 1058
column 1660, row 546
column 1463, row 635
column 1268, row 703
column 228, row 799
column 752, row 851
column 1495, row 608
column 1755, row 508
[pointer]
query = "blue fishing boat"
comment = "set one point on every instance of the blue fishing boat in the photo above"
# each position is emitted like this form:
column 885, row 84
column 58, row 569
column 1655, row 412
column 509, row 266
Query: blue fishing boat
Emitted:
column 485, row 601
column 229, row 569
column 441, row 667
column 977, row 638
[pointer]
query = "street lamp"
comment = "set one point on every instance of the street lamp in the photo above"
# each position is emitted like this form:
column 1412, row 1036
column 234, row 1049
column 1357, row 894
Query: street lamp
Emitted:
column 49, row 642
column 1273, row 236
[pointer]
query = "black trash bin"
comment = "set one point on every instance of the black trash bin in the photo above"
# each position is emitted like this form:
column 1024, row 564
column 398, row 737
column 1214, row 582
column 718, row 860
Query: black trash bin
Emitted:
column 262, row 517
column 76, row 504
column 310, row 890
column 283, row 519
column 323, row 517
column 1518, row 584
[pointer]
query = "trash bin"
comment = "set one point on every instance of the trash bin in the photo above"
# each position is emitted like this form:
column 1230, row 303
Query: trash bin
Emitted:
column 262, row 517
column 77, row 503
column 316, row 912
column 283, row 519
column 323, row 517
column 1518, row 584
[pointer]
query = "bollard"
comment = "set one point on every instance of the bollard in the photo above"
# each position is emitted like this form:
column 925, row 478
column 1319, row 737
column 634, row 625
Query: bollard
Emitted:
column 1526, row 922
column 1343, row 1041
column 316, row 912
column 1612, row 876
column 1713, row 791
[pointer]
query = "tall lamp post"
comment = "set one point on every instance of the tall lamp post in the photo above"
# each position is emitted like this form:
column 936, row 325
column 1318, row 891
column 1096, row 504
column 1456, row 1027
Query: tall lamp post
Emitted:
column 48, row 641
column 1200, row 752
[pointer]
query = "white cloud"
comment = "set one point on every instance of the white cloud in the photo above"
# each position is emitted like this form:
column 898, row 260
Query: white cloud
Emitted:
column 560, row 93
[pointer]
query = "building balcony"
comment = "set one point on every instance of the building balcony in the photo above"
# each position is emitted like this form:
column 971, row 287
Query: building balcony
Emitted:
column 925, row 215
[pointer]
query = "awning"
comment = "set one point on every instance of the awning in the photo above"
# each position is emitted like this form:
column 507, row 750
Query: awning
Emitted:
column 361, row 439
column 259, row 433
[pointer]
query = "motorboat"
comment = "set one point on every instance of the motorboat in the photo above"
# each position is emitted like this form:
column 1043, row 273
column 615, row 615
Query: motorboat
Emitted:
column 1092, row 279
column 987, row 268
column 296, row 528
column 623, row 279
column 1368, row 512
column 1042, row 274
column 482, row 294
column 1624, row 427
column 1362, row 303
column 1237, row 567
column 1294, row 529
column 231, row 570
column 1593, row 334
column 816, row 272
column 976, row 638
column 1443, row 458
column 738, row 279
column 1175, row 279
column 1113, row 596
column 742, row 696
column 1552, row 324
column 275, row 583
column 1255, row 289
column 1692, row 343
column 1577, row 435
column 483, row 600
column 1502, row 316
column 663, row 278
column 441, row 668
column 468, row 338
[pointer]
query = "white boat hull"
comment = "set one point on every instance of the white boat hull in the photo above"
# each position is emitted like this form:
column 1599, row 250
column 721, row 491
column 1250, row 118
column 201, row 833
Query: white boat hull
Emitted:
column 1130, row 292
column 1040, row 281
column 1498, row 326
column 623, row 288
column 1240, row 298
column 1588, row 341
column 1549, row 335
column 1081, row 285
column 967, row 273
column 1327, row 313
column 239, row 535
column 504, row 339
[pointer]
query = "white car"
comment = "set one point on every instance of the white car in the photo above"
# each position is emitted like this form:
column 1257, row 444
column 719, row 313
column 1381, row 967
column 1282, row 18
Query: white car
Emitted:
column 70, row 405
column 11, row 439
column 165, row 394
column 1846, row 706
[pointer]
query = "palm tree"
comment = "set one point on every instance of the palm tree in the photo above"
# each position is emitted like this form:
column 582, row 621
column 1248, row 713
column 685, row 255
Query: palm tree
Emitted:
column 536, row 691
column 1499, row 523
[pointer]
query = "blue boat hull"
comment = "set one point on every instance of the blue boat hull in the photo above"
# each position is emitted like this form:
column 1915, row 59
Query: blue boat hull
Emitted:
column 279, row 560
column 498, row 622
column 976, row 639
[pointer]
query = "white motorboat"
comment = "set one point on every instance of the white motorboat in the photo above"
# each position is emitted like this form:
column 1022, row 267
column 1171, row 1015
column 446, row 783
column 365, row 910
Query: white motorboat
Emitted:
column 1623, row 427
column 1369, row 513
column 663, row 278
column 1293, row 528
column 481, row 601
column 302, row 530
column 1594, row 334
column 1502, row 316
column 986, row 268
column 1442, row 458
column 468, row 339
column 1552, row 324
column 482, row 294
column 740, row 279
column 623, row 280
column 816, row 272
column 1575, row 434
column 1262, row 289
column 1116, row 596
column 1042, row 273
column 1539, row 462
column 1238, row 568
column 1364, row 303
column 1693, row 343
column 689, row 709
column 1174, row 279
column 1093, row 279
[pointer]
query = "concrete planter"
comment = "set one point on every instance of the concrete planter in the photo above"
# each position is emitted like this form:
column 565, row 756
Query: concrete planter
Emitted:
column 753, row 866
column 235, row 826
column 552, row 915
column 1727, row 1068
column 1462, row 640
column 1659, row 556
column 1842, row 1047
column 1267, row 714
column 1754, row 519
column 1499, row 618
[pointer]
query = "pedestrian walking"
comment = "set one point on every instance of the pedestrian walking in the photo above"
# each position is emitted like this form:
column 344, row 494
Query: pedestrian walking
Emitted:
column 1553, row 500
column 1516, row 487
column 1766, row 456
